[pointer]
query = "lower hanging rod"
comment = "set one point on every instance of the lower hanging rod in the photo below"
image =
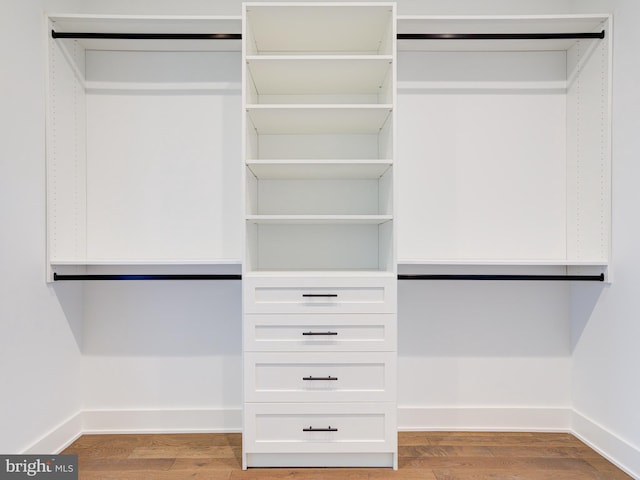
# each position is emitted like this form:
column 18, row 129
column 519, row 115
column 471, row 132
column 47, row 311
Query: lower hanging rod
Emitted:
column 566, row 278
column 58, row 277
column 148, row 36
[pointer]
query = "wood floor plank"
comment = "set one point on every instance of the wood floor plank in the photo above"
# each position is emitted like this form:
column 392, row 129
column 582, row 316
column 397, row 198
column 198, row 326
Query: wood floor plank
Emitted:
column 542, row 452
column 400, row 474
column 186, row 451
column 209, row 464
column 488, row 439
column 222, row 475
column 422, row 456
column 125, row 464
column 607, row 470
column 498, row 463
column 418, row 451
column 513, row 475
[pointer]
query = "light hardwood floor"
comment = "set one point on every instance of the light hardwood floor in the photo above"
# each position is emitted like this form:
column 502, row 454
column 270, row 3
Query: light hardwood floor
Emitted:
column 422, row 456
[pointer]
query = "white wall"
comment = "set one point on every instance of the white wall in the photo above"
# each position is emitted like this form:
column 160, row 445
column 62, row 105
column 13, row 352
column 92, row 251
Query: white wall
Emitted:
column 133, row 347
column 165, row 347
column 471, row 352
column 605, row 324
column 40, row 328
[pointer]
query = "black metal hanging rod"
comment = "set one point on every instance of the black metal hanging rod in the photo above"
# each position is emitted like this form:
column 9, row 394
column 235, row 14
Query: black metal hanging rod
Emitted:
column 566, row 278
column 400, row 36
column 149, row 36
column 498, row 36
column 58, row 277
column 572, row 278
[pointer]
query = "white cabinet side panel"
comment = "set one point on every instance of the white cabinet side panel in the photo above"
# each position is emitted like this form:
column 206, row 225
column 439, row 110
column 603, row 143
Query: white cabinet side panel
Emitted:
column 66, row 189
column 588, row 152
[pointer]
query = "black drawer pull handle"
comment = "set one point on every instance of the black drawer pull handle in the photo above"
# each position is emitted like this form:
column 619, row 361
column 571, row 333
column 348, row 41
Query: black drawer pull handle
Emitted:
column 320, row 378
column 320, row 295
column 319, row 333
column 328, row 429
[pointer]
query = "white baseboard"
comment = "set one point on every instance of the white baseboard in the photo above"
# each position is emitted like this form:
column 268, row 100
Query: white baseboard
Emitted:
column 162, row 421
column 618, row 451
column 485, row 419
column 59, row 438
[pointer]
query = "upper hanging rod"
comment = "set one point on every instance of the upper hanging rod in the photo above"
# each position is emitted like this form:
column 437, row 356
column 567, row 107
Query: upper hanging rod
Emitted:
column 149, row 36
column 498, row 36
column 401, row 36
column 566, row 278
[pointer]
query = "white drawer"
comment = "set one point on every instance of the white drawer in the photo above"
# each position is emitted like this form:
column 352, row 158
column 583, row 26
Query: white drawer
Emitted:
column 320, row 377
column 291, row 294
column 318, row 332
column 312, row 428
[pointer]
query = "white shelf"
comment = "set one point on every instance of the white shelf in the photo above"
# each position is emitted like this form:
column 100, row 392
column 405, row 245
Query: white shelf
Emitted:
column 177, row 87
column 319, row 75
column 319, row 219
column 506, row 262
column 318, row 119
column 318, row 169
column 150, row 262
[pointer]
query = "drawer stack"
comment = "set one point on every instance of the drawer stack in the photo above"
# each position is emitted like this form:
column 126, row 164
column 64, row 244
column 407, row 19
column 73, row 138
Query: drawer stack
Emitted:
column 319, row 371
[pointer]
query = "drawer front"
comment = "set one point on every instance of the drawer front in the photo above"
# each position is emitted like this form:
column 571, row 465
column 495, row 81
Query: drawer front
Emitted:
column 319, row 377
column 320, row 427
column 309, row 333
column 319, row 295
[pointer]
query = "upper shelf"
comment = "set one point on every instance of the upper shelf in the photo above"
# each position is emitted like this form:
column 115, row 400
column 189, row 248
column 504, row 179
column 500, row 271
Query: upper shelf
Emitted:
column 484, row 24
column 323, row 28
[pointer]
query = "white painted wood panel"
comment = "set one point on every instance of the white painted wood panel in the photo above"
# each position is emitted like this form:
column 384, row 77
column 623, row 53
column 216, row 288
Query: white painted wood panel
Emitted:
column 319, row 377
column 161, row 164
column 483, row 172
column 304, row 294
column 319, row 332
column 360, row 426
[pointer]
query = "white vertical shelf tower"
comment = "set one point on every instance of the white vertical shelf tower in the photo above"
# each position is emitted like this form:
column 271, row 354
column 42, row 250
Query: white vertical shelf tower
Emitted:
column 319, row 270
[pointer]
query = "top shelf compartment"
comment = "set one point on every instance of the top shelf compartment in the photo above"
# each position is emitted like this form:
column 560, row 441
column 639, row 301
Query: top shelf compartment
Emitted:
column 481, row 24
column 346, row 28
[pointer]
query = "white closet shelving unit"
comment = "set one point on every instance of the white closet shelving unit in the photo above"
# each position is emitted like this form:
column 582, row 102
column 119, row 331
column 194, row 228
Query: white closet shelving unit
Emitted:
column 319, row 274
column 143, row 142
column 192, row 156
column 504, row 146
